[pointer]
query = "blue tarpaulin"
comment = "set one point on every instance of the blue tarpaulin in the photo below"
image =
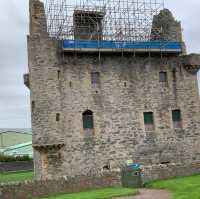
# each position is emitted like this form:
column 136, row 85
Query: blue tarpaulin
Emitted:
column 143, row 45
column 135, row 166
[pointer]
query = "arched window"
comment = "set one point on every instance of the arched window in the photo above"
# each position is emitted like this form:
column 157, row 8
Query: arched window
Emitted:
column 87, row 119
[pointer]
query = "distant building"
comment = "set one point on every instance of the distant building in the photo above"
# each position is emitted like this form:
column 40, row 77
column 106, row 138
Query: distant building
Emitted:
column 11, row 137
column 19, row 150
column 16, row 142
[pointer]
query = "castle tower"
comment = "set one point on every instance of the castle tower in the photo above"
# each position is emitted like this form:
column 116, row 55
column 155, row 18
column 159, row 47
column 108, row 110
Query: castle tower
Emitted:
column 109, row 85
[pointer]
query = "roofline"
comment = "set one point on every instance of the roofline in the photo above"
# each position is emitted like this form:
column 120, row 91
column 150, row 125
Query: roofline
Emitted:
column 18, row 146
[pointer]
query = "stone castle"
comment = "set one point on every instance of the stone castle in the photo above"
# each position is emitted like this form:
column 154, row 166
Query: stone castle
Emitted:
column 91, row 112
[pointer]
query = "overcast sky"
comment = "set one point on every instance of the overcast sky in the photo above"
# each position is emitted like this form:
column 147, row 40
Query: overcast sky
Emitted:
column 14, row 96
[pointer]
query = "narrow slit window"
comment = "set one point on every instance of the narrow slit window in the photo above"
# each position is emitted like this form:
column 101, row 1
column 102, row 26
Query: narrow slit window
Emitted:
column 176, row 118
column 95, row 78
column 88, row 120
column 163, row 76
column 58, row 73
column 70, row 84
column 57, row 117
column 148, row 121
column 174, row 75
column 33, row 105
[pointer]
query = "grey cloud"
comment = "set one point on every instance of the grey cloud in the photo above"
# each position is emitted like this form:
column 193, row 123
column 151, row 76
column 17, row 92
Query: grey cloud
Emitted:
column 14, row 97
column 188, row 13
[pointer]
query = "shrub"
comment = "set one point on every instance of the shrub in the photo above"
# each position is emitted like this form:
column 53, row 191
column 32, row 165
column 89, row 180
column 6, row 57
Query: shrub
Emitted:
column 9, row 158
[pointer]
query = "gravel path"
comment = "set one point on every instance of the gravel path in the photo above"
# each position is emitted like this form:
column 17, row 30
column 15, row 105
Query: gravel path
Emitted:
column 150, row 194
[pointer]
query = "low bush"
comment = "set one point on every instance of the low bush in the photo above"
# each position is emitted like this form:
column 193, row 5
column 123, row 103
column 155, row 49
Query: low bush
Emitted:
column 9, row 158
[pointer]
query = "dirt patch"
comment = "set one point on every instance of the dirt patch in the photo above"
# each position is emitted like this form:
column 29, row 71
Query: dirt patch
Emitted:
column 150, row 194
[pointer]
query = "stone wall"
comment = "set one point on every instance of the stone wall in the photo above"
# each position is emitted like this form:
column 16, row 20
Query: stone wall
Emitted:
column 16, row 166
column 38, row 188
column 27, row 190
column 161, row 172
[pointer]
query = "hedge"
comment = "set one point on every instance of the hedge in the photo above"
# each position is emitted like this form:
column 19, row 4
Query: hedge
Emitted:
column 8, row 158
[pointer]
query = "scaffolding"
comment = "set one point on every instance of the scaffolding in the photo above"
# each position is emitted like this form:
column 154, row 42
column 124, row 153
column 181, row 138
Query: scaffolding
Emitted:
column 107, row 20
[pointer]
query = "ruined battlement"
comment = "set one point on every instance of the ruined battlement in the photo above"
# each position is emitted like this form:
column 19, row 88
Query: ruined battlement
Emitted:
column 88, row 33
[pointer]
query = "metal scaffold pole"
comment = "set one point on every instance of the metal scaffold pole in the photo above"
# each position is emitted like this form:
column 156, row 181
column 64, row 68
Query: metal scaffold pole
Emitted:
column 118, row 20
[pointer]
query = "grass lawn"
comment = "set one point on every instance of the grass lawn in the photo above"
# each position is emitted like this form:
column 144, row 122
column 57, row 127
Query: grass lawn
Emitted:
column 106, row 193
column 15, row 177
column 182, row 188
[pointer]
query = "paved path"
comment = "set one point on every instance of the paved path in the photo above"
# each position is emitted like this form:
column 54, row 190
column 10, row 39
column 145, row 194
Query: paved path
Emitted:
column 150, row 194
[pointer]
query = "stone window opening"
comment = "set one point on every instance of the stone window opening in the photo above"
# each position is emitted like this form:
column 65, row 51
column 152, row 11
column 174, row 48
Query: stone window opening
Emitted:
column 148, row 121
column 88, row 119
column 58, row 72
column 57, row 117
column 70, row 84
column 163, row 76
column 95, row 77
column 174, row 74
column 106, row 167
column 166, row 163
column 33, row 105
column 176, row 118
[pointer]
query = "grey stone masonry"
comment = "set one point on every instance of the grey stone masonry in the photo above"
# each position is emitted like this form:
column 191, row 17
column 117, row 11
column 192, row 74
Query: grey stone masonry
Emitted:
column 127, row 87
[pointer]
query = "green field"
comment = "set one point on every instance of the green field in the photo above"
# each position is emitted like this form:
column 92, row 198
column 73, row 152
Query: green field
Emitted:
column 182, row 188
column 106, row 193
column 15, row 177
